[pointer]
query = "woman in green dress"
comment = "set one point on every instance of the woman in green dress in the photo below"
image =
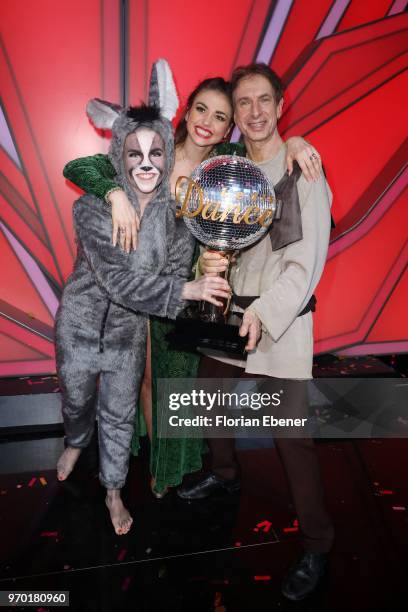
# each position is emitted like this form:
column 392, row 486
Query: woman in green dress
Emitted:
column 202, row 131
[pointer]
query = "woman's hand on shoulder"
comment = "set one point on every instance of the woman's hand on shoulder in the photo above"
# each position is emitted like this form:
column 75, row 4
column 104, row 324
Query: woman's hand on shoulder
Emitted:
column 306, row 156
column 125, row 221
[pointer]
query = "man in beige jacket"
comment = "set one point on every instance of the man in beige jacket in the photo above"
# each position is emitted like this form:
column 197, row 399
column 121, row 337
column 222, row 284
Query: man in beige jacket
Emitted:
column 278, row 278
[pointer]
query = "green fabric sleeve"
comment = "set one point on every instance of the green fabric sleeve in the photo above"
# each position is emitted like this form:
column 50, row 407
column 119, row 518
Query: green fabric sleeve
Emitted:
column 229, row 148
column 94, row 174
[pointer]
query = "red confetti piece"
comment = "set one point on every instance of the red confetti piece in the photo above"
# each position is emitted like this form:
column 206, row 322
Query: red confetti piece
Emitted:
column 290, row 529
column 295, row 527
column 262, row 578
column 49, row 534
column 126, row 583
column 264, row 525
column 122, row 554
column 386, row 492
column 32, row 481
column 238, row 544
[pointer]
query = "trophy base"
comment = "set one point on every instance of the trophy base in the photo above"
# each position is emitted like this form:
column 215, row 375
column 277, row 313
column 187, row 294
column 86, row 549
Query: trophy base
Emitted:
column 192, row 332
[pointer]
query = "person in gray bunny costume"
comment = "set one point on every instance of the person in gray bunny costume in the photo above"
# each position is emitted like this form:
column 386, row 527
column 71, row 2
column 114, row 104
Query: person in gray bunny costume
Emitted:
column 101, row 324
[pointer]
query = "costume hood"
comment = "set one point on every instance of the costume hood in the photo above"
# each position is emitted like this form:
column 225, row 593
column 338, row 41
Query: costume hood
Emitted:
column 157, row 116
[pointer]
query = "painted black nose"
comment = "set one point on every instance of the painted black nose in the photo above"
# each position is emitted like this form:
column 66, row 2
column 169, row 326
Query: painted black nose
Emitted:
column 146, row 168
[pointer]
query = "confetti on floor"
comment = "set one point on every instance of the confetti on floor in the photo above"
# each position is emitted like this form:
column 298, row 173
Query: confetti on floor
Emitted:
column 293, row 529
column 122, row 554
column 290, row 529
column 264, row 526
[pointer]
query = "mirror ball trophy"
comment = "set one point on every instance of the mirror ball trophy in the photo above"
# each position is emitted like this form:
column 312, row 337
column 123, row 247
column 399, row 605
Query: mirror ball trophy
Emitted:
column 228, row 204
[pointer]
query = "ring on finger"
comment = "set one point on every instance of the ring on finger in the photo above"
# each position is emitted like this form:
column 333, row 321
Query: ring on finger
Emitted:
column 122, row 230
column 314, row 156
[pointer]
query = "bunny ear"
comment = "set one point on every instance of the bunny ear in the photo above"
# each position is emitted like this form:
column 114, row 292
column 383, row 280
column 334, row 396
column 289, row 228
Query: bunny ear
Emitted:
column 102, row 113
column 162, row 90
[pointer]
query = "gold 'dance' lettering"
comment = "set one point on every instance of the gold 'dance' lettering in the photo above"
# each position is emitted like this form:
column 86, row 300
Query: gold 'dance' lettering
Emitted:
column 210, row 210
column 184, row 209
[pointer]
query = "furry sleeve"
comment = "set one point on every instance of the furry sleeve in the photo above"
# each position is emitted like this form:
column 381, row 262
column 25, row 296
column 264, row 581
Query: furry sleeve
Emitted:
column 94, row 174
column 122, row 276
column 181, row 245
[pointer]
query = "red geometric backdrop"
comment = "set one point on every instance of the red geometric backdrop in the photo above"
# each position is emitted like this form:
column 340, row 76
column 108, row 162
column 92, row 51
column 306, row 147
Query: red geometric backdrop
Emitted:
column 344, row 64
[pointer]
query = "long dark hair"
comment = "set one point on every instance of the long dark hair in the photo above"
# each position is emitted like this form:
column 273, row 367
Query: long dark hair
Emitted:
column 214, row 84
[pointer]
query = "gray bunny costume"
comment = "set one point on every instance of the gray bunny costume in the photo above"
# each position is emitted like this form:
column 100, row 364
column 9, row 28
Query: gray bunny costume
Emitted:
column 101, row 325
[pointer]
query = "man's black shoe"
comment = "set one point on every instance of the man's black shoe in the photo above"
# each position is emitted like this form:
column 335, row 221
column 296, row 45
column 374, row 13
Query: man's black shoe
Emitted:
column 207, row 485
column 305, row 575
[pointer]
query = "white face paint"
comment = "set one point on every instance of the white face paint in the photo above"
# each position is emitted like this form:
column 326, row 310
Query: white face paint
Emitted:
column 144, row 159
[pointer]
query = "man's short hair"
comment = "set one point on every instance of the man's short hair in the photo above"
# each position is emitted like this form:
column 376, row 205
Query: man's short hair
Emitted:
column 242, row 72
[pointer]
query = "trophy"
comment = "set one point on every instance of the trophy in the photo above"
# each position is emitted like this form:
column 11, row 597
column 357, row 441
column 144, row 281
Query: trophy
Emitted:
column 228, row 204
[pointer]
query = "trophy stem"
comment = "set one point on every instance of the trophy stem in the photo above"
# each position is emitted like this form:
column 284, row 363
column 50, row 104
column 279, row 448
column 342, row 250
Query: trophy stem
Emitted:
column 210, row 312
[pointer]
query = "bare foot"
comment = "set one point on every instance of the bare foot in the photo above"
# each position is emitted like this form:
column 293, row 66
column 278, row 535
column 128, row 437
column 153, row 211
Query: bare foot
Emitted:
column 67, row 462
column 120, row 516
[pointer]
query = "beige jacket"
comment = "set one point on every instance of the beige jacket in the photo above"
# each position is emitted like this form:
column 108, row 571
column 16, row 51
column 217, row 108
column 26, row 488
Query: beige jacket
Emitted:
column 285, row 280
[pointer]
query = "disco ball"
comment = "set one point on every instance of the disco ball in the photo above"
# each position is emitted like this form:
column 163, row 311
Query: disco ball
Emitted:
column 228, row 203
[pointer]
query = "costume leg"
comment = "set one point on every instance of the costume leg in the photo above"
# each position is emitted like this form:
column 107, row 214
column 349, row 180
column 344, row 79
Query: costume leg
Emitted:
column 118, row 395
column 78, row 390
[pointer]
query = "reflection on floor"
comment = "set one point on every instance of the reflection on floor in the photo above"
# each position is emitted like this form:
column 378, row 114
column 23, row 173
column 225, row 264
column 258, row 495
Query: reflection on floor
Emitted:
column 227, row 554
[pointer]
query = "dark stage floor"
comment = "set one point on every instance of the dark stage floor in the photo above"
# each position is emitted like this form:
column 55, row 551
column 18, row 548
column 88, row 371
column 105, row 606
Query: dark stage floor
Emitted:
column 228, row 554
